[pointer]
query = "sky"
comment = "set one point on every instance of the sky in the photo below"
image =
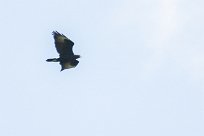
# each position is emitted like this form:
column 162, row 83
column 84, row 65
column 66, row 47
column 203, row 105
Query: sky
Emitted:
column 141, row 71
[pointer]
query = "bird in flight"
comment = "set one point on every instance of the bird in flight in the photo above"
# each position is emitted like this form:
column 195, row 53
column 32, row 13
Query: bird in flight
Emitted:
column 64, row 45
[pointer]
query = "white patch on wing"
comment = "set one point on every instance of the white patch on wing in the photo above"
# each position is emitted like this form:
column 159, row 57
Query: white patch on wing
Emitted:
column 61, row 38
column 68, row 65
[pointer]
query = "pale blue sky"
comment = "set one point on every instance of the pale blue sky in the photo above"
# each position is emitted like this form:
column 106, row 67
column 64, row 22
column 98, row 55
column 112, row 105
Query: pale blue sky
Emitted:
column 141, row 71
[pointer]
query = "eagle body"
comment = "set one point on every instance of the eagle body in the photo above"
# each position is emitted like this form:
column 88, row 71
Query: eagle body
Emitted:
column 67, row 58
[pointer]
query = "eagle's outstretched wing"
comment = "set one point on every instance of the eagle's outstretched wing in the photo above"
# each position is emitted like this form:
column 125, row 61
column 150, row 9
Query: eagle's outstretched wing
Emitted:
column 63, row 45
column 69, row 64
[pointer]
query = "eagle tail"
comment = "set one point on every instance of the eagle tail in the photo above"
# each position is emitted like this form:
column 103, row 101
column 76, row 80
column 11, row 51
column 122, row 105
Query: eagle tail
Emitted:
column 53, row 60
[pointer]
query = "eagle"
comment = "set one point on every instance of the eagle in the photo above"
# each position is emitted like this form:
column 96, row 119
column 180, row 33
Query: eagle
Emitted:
column 67, row 59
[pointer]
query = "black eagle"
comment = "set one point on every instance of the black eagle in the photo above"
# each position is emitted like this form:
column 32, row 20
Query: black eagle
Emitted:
column 64, row 45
